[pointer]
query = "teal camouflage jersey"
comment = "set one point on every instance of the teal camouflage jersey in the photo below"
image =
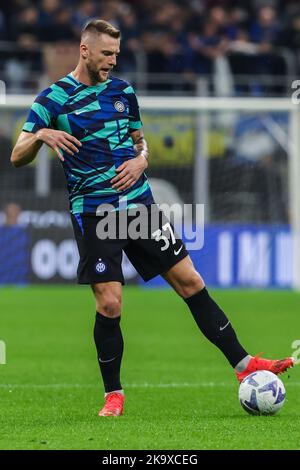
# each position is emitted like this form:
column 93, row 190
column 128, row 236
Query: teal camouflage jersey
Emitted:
column 102, row 118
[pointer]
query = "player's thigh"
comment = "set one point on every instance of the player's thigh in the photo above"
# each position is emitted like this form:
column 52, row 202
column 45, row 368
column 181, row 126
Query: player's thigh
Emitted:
column 100, row 259
column 159, row 249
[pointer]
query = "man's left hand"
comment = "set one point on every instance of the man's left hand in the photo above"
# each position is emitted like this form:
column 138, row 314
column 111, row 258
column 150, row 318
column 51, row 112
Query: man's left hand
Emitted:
column 129, row 172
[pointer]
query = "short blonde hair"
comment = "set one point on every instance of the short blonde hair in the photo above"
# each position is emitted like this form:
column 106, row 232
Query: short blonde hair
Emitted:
column 101, row 26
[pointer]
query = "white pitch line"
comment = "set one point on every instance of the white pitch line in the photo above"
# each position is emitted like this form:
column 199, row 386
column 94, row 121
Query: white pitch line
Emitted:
column 132, row 385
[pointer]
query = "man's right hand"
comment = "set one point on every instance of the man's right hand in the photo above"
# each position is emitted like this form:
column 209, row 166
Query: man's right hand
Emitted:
column 59, row 140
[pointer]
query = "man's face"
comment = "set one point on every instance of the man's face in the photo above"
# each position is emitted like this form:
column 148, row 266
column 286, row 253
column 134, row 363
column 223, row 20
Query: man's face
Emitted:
column 100, row 54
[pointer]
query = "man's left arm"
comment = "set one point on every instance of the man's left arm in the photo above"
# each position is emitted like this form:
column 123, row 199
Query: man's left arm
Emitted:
column 140, row 144
column 130, row 171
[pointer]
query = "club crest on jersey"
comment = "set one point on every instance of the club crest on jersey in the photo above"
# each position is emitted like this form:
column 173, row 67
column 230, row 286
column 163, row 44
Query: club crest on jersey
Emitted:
column 119, row 106
column 100, row 267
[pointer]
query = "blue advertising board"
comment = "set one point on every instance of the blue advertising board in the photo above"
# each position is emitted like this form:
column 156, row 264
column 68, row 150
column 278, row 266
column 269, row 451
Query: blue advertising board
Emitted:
column 14, row 255
column 233, row 256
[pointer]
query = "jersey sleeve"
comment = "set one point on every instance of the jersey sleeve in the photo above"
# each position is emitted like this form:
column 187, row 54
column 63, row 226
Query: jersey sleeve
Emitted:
column 42, row 113
column 135, row 121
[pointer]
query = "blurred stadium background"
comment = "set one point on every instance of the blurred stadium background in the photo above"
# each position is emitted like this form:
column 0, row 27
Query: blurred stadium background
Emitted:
column 241, row 162
column 215, row 81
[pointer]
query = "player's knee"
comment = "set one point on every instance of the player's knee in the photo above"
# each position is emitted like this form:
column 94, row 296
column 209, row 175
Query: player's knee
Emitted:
column 191, row 284
column 108, row 302
column 109, row 306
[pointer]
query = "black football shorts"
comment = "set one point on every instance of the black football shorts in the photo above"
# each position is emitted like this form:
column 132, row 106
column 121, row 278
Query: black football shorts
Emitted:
column 148, row 239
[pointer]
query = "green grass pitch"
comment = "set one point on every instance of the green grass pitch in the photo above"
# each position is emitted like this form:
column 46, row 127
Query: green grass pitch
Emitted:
column 180, row 391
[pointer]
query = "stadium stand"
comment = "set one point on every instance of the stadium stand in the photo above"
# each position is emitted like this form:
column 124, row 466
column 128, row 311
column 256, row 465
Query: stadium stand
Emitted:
column 166, row 45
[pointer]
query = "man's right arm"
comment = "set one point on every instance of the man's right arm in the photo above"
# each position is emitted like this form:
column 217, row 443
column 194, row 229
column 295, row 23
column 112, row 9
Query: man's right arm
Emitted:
column 28, row 145
column 25, row 150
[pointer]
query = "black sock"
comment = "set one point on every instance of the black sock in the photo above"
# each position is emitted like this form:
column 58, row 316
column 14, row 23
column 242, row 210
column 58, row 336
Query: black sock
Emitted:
column 109, row 343
column 214, row 324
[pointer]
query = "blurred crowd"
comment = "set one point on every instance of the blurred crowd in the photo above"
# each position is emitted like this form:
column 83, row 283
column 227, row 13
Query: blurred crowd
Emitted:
column 188, row 37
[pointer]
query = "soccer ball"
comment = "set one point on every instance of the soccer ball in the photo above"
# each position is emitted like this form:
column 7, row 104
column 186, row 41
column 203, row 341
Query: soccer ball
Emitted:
column 262, row 393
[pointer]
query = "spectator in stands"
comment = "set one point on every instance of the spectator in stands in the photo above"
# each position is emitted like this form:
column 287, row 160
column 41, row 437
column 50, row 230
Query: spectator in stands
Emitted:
column 12, row 212
column 207, row 46
column 5, row 149
column 26, row 27
column 291, row 37
column 266, row 29
column 84, row 12
column 266, row 33
column 61, row 30
column 2, row 26
column 288, row 7
column 48, row 9
column 25, row 58
column 109, row 11
column 131, row 32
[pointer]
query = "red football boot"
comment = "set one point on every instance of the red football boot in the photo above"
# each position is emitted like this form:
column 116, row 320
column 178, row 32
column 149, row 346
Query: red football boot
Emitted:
column 258, row 363
column 114, row 403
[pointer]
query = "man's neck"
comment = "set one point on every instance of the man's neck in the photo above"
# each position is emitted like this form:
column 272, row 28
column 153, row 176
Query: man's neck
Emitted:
column 80, row 74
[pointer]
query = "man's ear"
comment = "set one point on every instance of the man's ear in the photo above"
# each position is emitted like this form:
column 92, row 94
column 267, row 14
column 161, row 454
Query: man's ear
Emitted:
column 83, row 51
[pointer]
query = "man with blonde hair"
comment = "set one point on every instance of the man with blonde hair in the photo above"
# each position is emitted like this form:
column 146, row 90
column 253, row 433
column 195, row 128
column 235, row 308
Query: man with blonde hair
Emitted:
column 92, row 121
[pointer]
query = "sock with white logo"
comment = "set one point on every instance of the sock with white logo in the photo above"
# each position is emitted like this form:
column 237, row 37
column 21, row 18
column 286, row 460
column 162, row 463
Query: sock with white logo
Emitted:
column 109, row 343
column 215, row 326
